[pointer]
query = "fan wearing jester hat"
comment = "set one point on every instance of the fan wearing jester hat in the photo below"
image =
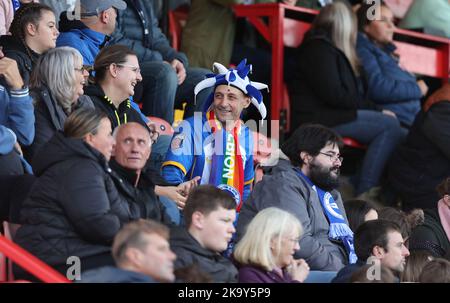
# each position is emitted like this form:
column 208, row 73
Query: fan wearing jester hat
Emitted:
column 215, row 145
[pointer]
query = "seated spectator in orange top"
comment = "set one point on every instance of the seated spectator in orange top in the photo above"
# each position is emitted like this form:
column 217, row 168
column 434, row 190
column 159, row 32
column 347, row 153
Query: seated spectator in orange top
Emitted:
column 33, row 32
column 142, row 254
column 389, row 85
column 57, row 88
column 265, row 254
column 74, row 208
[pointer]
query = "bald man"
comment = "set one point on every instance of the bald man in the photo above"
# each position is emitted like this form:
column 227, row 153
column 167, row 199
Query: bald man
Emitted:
column 147, row 188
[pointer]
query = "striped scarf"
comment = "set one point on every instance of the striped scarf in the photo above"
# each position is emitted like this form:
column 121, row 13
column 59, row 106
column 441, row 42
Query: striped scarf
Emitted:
column 227, row 168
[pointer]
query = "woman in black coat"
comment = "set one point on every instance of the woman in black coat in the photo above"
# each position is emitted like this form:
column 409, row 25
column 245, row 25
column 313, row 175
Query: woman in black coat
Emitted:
column 57, row 89
column 74, row 208
column 329, row 88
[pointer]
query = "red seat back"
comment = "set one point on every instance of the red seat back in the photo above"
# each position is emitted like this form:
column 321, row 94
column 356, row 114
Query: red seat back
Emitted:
column 177, row 20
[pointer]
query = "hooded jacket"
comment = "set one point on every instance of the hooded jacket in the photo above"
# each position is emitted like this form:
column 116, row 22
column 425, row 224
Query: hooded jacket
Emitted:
column 74, row 208
column 189, row 251
column 77, row 35
column 14, row 49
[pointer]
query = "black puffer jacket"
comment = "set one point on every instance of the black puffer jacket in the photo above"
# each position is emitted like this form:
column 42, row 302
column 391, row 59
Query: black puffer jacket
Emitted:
column 14, row 49
column 74, row 208
column 189, row 251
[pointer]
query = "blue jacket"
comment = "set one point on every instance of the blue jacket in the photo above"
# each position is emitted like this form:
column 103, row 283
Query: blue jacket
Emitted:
column 16, row 119
column 85, row 40
column 140, row 32
column 80, row 37
column 388, row 84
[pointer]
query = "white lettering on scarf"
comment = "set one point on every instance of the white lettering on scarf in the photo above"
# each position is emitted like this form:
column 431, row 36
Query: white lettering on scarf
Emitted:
column 229, row 160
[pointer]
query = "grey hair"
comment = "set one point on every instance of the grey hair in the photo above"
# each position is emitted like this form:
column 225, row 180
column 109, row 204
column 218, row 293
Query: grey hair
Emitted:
column 55, row 69
column 268, row 225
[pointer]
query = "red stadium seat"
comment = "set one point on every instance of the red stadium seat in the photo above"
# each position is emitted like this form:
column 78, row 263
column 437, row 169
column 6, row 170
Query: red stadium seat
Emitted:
column 177, row 20
column 162, row 126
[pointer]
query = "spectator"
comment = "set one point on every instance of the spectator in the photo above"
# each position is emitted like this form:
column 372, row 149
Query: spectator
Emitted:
column 436, row 271
column 362, row 276
column 328, row 89
column 305, row 185
column 358, row 212
column 390, row 86
column 142, row 254
column 168, row 80
column 7, row 10
column 407, row 221
column 74, row 209
column 209, row 215
column 91, row 32
column 425, row 153
column 57, row 88
column 265, row 252
column 433, row 235
column 131, row 152
column 414, row 265
column 33, row 32
column 224, row 138
column 377, row 242
column 16, row 119
column 432, row 17
column 59, row 6
column 117, row 73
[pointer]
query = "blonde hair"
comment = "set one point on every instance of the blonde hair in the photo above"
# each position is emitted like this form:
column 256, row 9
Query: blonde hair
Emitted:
column 340, row 22
column 269, row 224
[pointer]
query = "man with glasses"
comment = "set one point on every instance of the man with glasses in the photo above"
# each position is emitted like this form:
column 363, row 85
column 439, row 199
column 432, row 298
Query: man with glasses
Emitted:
column 305, row 184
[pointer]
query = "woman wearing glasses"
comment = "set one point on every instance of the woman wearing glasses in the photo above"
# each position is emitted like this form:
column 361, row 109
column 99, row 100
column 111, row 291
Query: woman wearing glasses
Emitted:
column 265, row 252
column 117, row 72
column 57, row 88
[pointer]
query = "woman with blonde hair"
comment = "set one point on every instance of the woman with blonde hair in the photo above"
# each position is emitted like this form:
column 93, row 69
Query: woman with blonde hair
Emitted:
column 329, row 88
column 57, row 89
column 265, row 252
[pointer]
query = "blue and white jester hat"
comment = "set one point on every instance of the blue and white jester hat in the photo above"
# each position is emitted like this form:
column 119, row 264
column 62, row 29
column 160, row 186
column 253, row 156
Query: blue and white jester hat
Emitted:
column 237, row 78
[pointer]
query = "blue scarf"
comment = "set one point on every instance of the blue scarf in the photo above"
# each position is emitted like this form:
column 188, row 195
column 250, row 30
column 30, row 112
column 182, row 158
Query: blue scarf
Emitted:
column 339, row 230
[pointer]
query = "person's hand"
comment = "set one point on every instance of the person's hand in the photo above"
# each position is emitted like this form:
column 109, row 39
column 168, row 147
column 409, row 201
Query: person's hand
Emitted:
column 154, row 133
column 180, row 70
column 423, row 87
column 173, row 193
column 187, row 186
column 389, row 113
column 298, row 270
column 10, row 71
column 289, row 2
column 18, row 148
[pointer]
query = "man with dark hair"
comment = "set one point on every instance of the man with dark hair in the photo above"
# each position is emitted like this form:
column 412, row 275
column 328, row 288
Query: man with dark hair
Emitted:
column 142, row 254
column 209, row 215
column 377, row 242
column 304, row 184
